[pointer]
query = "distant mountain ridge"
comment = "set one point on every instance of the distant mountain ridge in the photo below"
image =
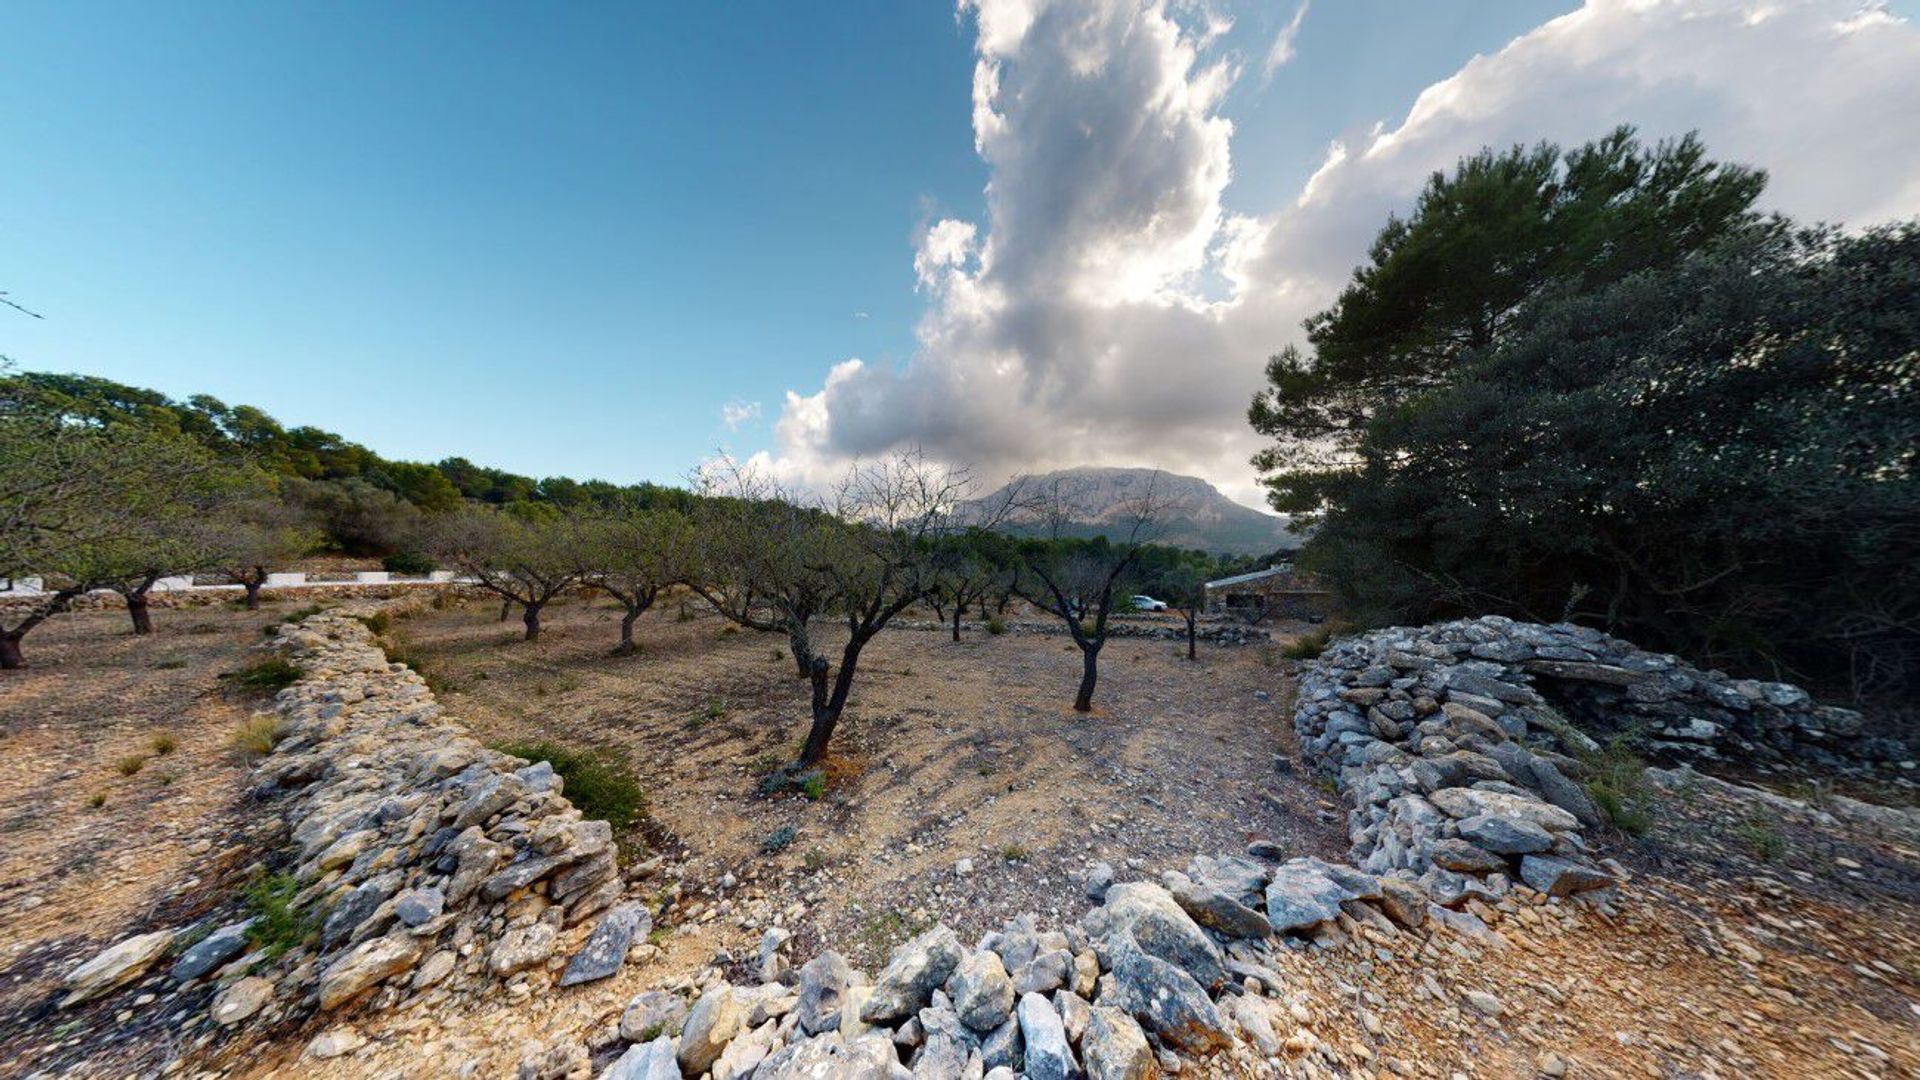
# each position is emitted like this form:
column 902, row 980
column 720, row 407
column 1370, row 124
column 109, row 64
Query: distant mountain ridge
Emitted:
column 1198, row 515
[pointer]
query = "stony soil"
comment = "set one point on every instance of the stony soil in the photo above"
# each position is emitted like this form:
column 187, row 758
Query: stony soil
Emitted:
column 92, row 851
column 1751, row 941
column 947, row 752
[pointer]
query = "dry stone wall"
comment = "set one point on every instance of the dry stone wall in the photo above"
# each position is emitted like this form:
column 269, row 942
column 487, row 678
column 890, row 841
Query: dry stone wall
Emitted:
column 1455, row 748
column 427, row 850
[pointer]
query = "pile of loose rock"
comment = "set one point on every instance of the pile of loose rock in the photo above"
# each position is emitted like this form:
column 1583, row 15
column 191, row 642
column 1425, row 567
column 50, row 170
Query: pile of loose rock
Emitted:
column 1452, row 745
column 1158, row 973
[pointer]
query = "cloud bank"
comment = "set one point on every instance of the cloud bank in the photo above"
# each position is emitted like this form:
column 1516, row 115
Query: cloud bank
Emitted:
column 1111, row 310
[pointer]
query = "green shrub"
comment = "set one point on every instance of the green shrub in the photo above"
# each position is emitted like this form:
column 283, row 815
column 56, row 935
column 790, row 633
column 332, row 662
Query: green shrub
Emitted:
column 276, row 926
column 408, row 562
column 97, row 800
column 812, row 784
column 265, row 675
column 300, row 614
column 130, row 764
column 379, row 622
column 598, row 781
column 996, row 625
column 164, row 743
column 1617, row 784
column 778, row 840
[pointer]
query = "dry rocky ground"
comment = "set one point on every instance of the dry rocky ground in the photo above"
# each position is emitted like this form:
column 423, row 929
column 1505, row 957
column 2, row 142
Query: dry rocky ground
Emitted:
column 1755, row 939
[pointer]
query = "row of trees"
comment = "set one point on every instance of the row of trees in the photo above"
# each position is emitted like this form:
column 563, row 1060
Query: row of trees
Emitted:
column 363, row 504
column 87, row 506
column 890, row 535
column 1598, row 385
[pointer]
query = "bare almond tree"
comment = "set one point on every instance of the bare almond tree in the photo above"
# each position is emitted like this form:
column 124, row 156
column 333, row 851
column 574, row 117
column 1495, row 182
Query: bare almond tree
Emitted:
column 524, row 562
column 1078, row 580
column 891, row 516
column 760, row 548
column 633, row 555
column 252, row 536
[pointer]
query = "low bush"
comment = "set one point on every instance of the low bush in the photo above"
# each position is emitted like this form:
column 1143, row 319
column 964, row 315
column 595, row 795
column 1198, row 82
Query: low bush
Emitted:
column 277, row 926
column 1762, row 838
column 379, row 622
column 779, row 840
column 164, row 743
column 1617, row 783
column 265, row 675
column 996, row 625
column 597, row 781
column 408, row 562
column 130, row 764
column 301, row 614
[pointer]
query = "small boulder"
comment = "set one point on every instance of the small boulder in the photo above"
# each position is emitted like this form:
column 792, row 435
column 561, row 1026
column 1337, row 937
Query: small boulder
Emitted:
column 823, row 980
column 606, row 948
column 652, row 1014
column 645, row 1061
column 518, row 950
column 417, row 907
column 712, row 1024
column 1503, row 835
column 241, row 1000
column 118, row 965
column 211, row 951
column 1462, row 857
column 1561, row 877
column 1115, row 1048
column 917, row 967
column 366, row 965
column 982, row 991
column 1049, row 1057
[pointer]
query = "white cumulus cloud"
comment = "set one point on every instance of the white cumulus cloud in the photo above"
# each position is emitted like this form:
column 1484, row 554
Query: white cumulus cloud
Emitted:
column 1111, row 310
column 735, row 413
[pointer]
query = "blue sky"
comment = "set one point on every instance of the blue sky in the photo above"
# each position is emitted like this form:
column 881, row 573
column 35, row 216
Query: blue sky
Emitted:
column 560, row 239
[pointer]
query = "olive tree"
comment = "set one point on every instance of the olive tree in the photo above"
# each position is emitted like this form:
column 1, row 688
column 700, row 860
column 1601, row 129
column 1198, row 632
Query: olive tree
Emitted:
column 971, row 568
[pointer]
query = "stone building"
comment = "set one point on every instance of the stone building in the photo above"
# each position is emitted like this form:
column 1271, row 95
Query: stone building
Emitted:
column 1277, row 590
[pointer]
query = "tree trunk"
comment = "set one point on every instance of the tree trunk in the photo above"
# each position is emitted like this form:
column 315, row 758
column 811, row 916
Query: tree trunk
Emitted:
column 627, row 647
column 10, row 659
column 506, row 609
column 802, row 647
column 1089, row 674
column 817, row 738
column 826, row 715
column 252, row 585
column 957, row 612
column 530, row 615
column 1192, row 633
column 142, row 617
